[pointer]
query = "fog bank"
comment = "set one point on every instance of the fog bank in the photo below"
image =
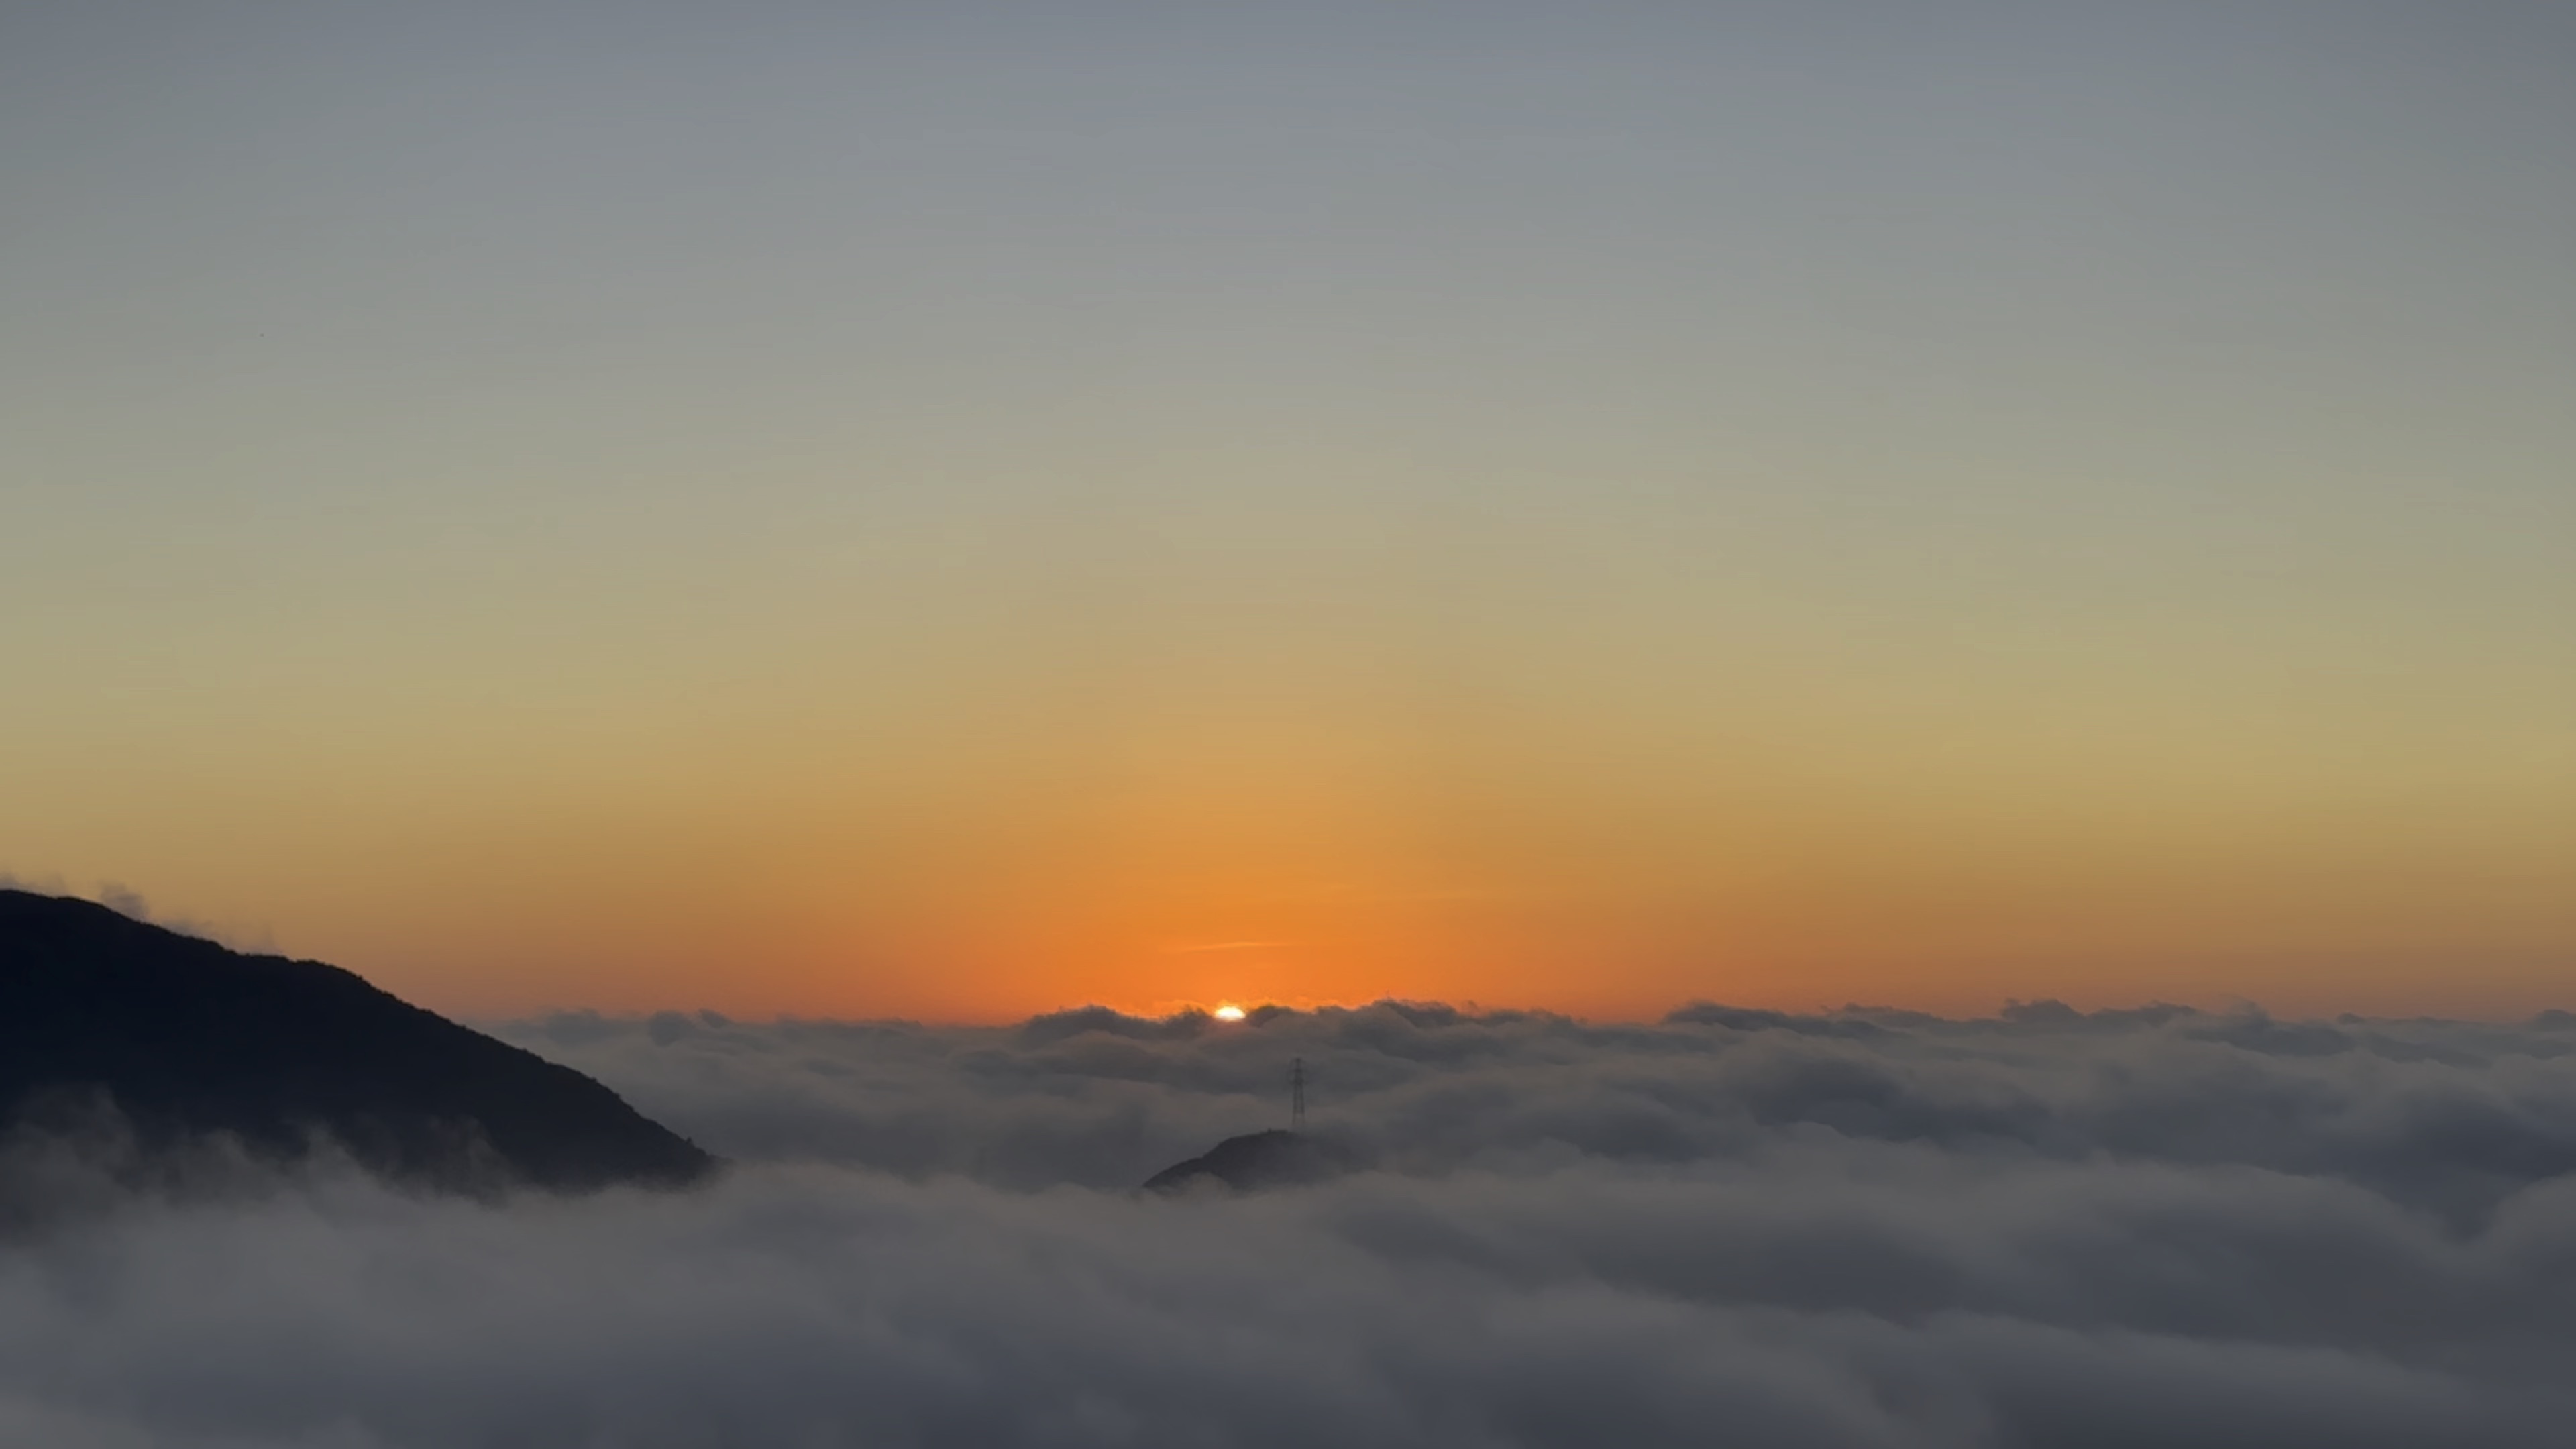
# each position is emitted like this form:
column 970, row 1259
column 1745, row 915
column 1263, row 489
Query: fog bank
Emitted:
column 1865, row 1229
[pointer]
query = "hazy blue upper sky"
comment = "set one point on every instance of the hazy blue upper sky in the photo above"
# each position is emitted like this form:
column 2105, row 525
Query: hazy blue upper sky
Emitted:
column 1782, row 500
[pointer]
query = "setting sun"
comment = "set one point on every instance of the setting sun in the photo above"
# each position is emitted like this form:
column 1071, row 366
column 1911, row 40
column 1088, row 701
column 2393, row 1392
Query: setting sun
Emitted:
column 1229, row 1012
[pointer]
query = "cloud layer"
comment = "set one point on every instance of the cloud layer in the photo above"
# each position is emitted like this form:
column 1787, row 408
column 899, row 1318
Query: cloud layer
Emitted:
column 2145, row 1228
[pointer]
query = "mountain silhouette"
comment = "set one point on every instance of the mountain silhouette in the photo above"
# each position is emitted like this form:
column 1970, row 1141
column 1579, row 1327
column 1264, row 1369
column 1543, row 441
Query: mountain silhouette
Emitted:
column 186, row 1037
column 1256, row 1160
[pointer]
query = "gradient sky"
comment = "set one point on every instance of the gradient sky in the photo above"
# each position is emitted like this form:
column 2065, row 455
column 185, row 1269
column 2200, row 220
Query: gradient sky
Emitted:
column 957, row 511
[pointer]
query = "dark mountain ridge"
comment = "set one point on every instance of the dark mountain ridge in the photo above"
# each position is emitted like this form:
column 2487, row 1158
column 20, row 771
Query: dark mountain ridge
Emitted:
column 1257, row 1160
column 186, row 1038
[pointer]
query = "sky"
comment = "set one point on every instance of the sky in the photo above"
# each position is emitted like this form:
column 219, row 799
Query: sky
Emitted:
column 955, row 512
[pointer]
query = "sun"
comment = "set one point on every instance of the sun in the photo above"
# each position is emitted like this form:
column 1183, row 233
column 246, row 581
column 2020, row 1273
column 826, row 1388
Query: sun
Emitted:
column 1229, row 1012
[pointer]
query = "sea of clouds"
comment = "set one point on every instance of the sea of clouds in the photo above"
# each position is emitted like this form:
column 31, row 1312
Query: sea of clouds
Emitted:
column 1866, row 1228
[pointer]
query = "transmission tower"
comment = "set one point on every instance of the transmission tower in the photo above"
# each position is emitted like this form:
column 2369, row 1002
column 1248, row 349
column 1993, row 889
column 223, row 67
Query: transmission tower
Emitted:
column 1297, row 1094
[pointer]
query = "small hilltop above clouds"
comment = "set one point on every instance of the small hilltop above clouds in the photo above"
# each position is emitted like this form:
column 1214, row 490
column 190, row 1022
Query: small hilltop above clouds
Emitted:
column 1257, row 1160
column 183, row 1039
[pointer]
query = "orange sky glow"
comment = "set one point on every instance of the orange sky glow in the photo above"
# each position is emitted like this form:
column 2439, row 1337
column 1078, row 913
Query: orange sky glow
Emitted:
column 986, row 518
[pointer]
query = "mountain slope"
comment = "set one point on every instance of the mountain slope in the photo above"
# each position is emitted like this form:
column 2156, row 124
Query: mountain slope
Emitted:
column 188, row 1037
column 1257, row 1160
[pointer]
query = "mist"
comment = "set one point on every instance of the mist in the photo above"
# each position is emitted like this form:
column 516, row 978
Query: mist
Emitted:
column 1867, row 1228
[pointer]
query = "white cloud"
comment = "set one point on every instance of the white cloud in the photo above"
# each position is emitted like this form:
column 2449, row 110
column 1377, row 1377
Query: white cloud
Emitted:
column 1734, row 1229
